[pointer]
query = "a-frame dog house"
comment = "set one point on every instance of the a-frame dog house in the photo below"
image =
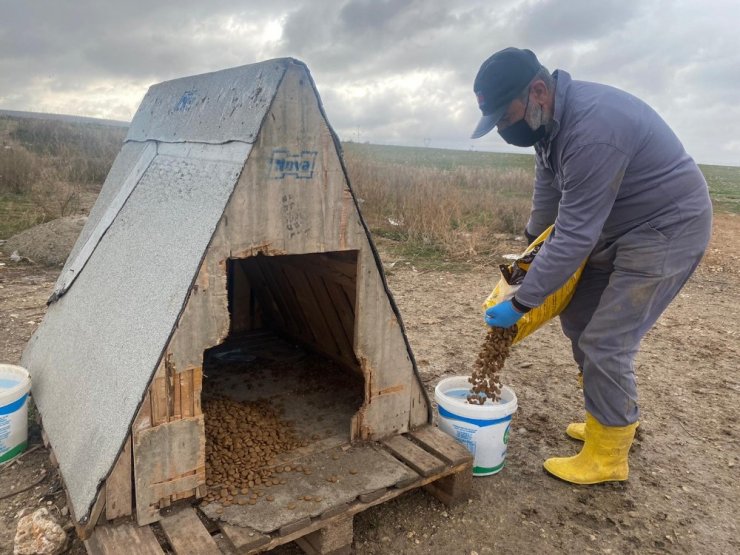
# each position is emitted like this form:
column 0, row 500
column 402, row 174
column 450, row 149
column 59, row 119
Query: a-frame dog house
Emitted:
column 229, row 193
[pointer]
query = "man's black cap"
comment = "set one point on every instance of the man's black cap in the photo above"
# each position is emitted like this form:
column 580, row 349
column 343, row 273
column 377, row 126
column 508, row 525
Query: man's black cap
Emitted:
column 501, row 79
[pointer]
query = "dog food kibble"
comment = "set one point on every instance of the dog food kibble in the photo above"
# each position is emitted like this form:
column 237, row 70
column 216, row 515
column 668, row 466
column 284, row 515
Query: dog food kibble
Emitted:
column 485, row 378
column 241, row 440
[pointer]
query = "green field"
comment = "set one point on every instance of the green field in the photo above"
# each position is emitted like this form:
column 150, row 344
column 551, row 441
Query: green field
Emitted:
column 724, row 186
column 399, row 180
column 441, row 159
column 724, row 181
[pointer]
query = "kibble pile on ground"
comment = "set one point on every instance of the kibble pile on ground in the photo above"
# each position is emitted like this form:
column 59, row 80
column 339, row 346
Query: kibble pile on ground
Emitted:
column 246, row 440
column 242, row 442
column 486, row 378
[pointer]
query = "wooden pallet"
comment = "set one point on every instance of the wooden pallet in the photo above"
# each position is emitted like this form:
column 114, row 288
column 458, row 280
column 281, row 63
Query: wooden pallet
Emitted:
column 435, row 461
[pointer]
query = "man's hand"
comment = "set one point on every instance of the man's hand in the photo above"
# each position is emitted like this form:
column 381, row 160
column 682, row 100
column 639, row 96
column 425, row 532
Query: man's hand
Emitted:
column 502, row 315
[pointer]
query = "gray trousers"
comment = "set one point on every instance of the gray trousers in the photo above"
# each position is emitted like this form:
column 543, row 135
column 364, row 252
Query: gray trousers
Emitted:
column 626, row 285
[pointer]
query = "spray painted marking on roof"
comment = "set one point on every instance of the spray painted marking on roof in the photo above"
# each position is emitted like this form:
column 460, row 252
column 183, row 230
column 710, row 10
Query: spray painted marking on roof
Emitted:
column 186, row 100
column 285, row 164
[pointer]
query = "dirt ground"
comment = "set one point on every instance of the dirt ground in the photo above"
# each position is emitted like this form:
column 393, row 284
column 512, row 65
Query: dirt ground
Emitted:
column 683, row 492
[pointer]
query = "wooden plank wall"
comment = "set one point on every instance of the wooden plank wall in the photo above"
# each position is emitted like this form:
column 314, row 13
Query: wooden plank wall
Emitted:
column 118, row 486
column 170, row 410
column 310, row 297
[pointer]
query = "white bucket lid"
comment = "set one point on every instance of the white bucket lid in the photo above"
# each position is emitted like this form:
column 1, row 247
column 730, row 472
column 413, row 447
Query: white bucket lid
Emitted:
column 14, row 373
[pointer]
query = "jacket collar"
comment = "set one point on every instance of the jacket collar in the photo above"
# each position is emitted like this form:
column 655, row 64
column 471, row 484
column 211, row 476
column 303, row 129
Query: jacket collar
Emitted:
column 562, row 80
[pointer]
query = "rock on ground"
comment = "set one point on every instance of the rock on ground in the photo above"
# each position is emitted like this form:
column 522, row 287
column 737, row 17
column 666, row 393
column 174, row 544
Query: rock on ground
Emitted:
column 39, row 533
column 48, row 244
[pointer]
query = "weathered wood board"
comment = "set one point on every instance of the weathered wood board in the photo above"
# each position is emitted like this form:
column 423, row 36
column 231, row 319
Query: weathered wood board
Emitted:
column 123, row 539
column 163, row 457
column 186, row 533
column 358, row 470
column 323, row 526
column 442, row 445
column 335, row 539
column 119, row 485
column 417, row 458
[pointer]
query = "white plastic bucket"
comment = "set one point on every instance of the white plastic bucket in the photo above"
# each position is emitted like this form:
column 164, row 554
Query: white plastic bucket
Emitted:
column 483, row 429
column 15, row 383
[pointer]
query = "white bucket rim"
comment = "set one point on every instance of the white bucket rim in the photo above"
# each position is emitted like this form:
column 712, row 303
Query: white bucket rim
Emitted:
column 508, row 404
column 19, row 390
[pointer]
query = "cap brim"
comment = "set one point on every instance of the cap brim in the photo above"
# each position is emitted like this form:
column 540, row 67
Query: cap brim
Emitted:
column 488, row 122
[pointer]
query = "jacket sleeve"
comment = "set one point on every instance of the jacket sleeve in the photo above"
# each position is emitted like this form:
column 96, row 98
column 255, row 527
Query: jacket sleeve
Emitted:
column 545, row 199
column 592, row 176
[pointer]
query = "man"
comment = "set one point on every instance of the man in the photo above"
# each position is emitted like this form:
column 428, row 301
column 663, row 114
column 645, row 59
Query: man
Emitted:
column 622, row 192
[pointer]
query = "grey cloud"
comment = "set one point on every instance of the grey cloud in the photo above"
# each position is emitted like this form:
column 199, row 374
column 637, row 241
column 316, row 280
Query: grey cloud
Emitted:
column 542, row 23
column 389, row 37
column 367, row 16
column 680, row 57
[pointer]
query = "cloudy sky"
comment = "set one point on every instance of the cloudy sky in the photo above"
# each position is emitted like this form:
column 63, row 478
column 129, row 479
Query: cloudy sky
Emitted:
column 389, row 71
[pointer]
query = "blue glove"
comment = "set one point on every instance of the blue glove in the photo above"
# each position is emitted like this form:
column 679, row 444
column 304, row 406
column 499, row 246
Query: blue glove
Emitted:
column 502, row 315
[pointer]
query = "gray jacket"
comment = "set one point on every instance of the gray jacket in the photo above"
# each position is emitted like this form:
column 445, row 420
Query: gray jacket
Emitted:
column 609, row 165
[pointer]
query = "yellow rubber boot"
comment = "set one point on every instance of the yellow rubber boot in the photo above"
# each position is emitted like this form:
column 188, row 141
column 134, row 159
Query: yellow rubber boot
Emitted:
column 603, row 457
column 577, row 430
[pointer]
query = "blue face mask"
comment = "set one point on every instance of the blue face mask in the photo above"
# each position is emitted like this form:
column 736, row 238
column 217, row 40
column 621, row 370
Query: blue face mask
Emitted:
column 520, row 133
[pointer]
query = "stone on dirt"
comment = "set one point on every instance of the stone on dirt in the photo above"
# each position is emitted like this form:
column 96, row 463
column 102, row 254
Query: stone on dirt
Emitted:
column 39, row 533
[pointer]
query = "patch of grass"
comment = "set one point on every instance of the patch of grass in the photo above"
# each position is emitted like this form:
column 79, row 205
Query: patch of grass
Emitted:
column 724, row 186
column 18, row 212
column 397, row 235
column 47, row 165
column 404, row 254
column 434, row 209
